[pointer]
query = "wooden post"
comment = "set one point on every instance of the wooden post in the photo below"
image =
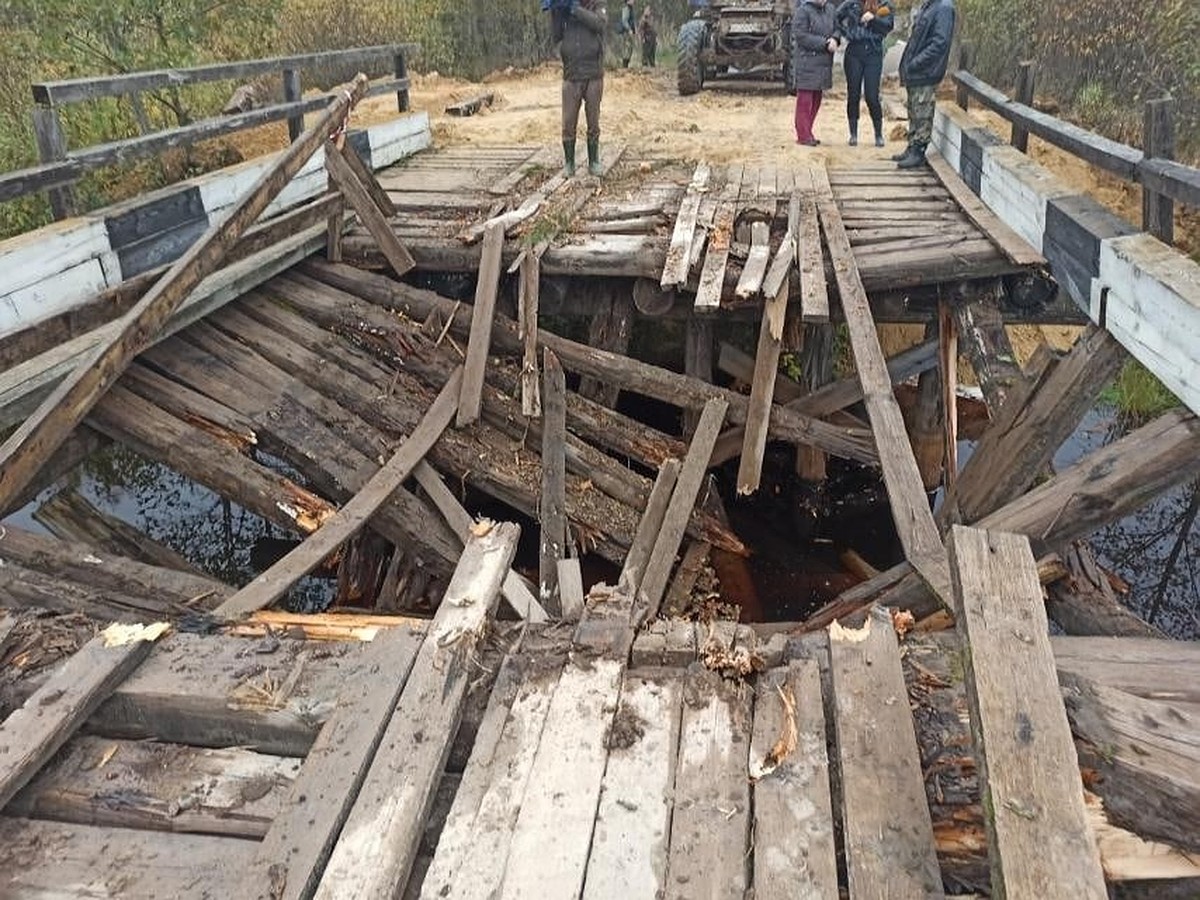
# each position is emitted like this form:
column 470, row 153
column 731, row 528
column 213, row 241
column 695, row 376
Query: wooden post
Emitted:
column 697, row 360
column 291, row 93
column 552, row 511
column 402, row 102
column 333, row 235
column 528, row 297
column 1023, row 94
column 52, row 147
column 39, row 436
column 966, row 59
column 948, row 346
column 1158, row 142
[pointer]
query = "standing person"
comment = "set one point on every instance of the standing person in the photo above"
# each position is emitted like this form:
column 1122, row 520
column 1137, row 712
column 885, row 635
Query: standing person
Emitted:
column 864, row 23
column 922, row 66
column 626, row 30
column 649, row 35
column 580, row 28
column 814, row 41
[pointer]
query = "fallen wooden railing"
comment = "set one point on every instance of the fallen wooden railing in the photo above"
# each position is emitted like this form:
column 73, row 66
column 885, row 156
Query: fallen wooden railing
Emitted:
column 60, row 167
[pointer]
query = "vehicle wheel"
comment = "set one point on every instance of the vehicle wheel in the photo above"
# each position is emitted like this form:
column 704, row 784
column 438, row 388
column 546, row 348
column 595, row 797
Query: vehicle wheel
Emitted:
column 689, row 68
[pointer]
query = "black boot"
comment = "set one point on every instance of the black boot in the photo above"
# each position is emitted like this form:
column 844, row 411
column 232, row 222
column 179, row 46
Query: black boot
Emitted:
column 853, row 134
column 594, row 167
column 878, row 133
column 896, row 157
column 914, row 159
column 569, row 157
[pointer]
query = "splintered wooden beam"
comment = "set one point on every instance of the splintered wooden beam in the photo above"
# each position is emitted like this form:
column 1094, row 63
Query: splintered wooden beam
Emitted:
column 378, row 844
column 486, row 288
column 1007, row 241
column 814, row 292
column 649, row 526
column 755, row 270
column 910, row 506
column 366, row 178
column 33, row 733
column 785, row 256
column 762, row 392
column 552, row 502
column 948, row 354
column 679, row 252
column 40, row 435
column 984, row 340
column 570, row 589
column 888, row 833
column 1039, row 840
column 712, row 274
column 527, row 323
column 351, row 518
column 514, row 590
column 363, row 201
column 679, row 510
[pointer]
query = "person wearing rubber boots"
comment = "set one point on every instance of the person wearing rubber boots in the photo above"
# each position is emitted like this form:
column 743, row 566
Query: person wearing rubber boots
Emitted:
column 580, row 29
column 922, row 67
column 626, row 29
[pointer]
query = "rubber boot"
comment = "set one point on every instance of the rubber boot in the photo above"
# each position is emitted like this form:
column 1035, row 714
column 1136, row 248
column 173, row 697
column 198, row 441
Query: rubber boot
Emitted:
column 915, row 158
column 896, row 157
column 569, row 157
column 593, row 147
column 853, row 134
column 879, row 134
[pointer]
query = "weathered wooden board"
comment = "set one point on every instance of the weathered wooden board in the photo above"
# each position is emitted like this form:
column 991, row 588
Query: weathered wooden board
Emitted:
column 762, row 391
column 679, row 253
column 712, row 275
column 649, row 526
column 755, row 269
column 710, row 829
column 480, row 341
column 1038, row 835
column 794, row 853
column 552, row 502
column 294, row 851
column 633, row 824
column 553, row 832
column 33, row 733
column 888, row 834
column 159, row 787
column 364, row 197
column 810, row 258
column 378, row 844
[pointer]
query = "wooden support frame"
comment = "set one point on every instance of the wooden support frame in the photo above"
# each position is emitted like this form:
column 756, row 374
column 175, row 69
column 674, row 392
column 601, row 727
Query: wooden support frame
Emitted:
column 351, row 518
column 649, row 526
column 948, row 354
column 39, row 436
column 552, row 500
column 363, row 193
column 529, row 293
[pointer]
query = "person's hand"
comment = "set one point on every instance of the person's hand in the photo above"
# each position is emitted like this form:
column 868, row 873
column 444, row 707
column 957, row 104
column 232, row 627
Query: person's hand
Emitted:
column 867, row 17
column 831, row 45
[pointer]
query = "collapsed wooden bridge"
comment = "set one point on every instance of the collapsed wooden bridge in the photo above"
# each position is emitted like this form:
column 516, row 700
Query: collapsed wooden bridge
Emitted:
column 579, row 739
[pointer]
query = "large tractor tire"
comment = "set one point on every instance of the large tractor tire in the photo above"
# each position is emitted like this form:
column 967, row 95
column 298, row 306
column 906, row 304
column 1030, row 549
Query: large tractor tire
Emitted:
column 689, row 68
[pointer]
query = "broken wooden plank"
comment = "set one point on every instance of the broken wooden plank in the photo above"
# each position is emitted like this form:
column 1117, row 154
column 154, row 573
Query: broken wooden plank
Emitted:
column 553, row 832
column 794, row 853
column 552, row 499
column 750, row 282
column 295, row 849
column 515, row 591
column 762, row 392
column 527, row 304
column 948, row 369
column 471, row 106
column 27, row 448
column 679, row 252
column 683, row 499
column 1038, row 836
column 814, row 294
column 367, row 178
column 353, row 516
column 649, row 527
column 362, row 200
column 378, row 842
column 888, row 834
column 1007, row 241
column 228, row 792
column 985, row 342
column 785, row 257
column 710, row 828
column 480, row 341
column 633, row 823
column 610, row 329
column 678, row 599
column 712, row 274
column 33, row 733
column 570, row 589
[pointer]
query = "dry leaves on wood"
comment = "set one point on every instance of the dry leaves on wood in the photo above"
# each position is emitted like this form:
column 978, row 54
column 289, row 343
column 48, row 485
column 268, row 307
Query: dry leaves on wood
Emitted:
column 729, row 661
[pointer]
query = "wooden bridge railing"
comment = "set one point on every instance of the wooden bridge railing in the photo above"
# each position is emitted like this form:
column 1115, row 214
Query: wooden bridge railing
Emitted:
column 1163, row 180
column 60, row 166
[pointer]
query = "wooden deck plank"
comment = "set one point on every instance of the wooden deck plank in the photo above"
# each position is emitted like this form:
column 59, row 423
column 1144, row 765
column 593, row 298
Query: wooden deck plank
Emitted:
column 679, row 252
column 633, row 824
column 473, row 849
column 755, row 269
column 712, row 274
column 888, row 833
column 710, row 827
column 649, row 526
column 528, row 299
column 553, row 832
column 809, row 254
column 480, row 341
column 31, row 735
column 794, row 853
column 377, row 846
column 294, row 851
column 762, row 391
column 1039, row 841
column 785, row 257
column 52, row 860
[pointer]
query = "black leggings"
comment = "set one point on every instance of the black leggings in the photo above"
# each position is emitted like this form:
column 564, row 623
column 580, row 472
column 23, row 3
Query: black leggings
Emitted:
column 864, row 68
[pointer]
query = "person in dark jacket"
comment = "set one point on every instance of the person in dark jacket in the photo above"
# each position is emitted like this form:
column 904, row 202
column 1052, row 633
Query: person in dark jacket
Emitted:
column 814, row 40
column 922, row 67
column 580, row 29
column 864, row 24
column 626, row 29
column 649, row 36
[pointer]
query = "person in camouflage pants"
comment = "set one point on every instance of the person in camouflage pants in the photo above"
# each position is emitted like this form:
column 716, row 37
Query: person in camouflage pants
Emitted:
column 922, row 67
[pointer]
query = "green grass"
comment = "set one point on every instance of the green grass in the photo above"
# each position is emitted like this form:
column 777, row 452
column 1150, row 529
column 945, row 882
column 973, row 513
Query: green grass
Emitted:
column 1137, row 394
